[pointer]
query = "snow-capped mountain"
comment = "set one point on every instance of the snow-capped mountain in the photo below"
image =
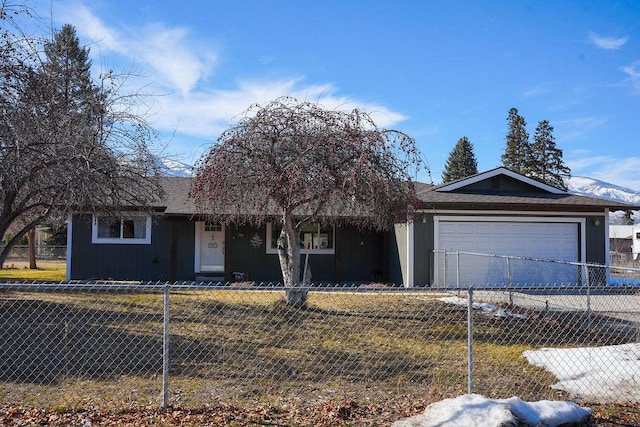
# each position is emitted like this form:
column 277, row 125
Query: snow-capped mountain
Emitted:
column 596, row 188
column 593, row 187
column 169, row 167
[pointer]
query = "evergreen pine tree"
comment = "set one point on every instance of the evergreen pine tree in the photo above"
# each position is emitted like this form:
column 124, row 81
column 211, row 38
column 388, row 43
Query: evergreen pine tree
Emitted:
column 68, row 64
column 461, row 161
column 546, row 159
column 517, row 153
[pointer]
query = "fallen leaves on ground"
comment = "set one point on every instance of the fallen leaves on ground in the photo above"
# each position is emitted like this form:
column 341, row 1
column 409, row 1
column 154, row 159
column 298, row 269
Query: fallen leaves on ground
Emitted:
column 327, row 414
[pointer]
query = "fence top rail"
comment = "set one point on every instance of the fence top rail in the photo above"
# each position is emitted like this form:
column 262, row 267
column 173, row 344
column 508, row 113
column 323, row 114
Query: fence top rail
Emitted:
column 276, row 287
column 550, row 261
column 265, row 286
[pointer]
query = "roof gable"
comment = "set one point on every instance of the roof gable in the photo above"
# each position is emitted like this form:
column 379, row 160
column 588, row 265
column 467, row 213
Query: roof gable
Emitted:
column 499, row 180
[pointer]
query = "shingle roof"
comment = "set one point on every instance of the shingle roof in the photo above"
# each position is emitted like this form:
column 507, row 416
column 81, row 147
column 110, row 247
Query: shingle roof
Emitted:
column 543, row 201
column 177, row 201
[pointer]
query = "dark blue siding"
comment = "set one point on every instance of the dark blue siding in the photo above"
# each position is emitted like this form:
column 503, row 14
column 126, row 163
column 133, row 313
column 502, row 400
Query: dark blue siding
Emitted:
column 120, row 262
column 359, row 257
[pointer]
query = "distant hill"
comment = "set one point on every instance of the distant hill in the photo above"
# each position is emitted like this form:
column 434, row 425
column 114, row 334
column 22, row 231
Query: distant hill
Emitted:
column 596, row 188
column 170, row 167
column 593, row 187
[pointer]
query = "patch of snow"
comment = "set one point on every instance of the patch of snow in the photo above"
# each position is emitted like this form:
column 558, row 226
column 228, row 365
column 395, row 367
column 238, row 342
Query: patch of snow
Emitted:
column 601, row 374
column 486, row 308
column 474, row 410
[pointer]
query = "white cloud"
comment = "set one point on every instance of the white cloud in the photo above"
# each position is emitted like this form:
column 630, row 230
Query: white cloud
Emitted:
column 179, row 67
column 168, row 54
column 208, row 112
column 620, row 171
column 575, row 128
column 538, row 90
column 633, row 71
column 90, row 26
column 607, row 43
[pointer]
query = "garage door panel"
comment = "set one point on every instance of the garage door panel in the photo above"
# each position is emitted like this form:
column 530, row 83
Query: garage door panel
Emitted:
column 542, row 241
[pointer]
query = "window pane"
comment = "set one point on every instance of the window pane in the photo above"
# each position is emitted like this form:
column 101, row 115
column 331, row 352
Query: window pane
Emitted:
column 212, row 226
column 325, row 239
column 134, row 229
column 108, row 228
column 308, row 234
column 140, row 229
column 311, row 236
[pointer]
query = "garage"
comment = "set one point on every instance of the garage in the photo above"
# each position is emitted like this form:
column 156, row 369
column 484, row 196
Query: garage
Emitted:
column 529, row 240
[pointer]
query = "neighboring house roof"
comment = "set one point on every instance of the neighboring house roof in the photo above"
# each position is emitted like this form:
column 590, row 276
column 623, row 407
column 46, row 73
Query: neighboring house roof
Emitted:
column 498, row 188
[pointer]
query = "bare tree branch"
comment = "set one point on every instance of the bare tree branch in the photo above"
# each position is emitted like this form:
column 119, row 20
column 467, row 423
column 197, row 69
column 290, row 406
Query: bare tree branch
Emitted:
column 299, row 163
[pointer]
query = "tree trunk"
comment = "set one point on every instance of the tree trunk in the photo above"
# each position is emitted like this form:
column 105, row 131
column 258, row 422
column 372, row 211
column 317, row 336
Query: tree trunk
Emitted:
column 31, row 238
column 289, row 256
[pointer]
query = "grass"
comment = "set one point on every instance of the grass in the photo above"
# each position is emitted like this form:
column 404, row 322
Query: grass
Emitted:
column 50, row 271
column 73, row 349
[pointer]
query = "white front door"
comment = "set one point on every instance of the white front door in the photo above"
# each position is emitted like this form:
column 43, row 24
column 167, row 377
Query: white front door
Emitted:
column 211, row 246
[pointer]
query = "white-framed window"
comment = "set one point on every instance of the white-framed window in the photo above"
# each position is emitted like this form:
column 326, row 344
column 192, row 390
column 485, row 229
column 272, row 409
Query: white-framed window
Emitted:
column 133, row 229
column 314, row 239
column 212, row 226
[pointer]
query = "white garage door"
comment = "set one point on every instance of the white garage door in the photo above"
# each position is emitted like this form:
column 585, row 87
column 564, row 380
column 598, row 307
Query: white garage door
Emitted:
column 556, row 241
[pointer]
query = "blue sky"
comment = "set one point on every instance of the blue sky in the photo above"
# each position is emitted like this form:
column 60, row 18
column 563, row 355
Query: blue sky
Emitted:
column 437, row 70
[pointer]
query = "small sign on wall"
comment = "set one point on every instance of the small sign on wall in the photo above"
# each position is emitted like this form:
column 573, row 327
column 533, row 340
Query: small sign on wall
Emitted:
column 213, row 245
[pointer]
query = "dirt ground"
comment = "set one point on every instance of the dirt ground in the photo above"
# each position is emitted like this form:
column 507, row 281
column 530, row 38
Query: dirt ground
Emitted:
column 329, row 414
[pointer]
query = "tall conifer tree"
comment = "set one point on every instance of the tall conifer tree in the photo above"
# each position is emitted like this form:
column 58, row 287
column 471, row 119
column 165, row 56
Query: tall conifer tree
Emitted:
column 517, row 153
column 68, row 64
column 461, row 163
column 546, row 161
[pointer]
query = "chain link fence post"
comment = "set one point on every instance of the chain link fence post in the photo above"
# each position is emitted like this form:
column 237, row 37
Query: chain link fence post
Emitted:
column 470, row 342
column 165, row 349
column 458, row 270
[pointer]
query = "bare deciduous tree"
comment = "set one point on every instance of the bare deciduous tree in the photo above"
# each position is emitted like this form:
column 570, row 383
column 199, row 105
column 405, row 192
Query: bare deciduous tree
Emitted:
column 74, row 150
column 297, row 163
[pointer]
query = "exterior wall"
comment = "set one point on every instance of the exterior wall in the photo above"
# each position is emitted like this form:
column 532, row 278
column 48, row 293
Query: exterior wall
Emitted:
column 116, row 261
column 242, row 256
column 595, row 238
column 359, row 257
column 398, row 250
column 184, row 232
column 423, row 246
column 500, row 184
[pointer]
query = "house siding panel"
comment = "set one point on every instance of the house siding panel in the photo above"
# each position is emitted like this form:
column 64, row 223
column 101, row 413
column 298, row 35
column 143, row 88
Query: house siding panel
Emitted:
column 500, row 184
column 352, row 262
column 185, row 249
column 595, row 238
column 398, row 254
column 423, row 251
column 116, row 261
column 245, row 252
column 359, row 256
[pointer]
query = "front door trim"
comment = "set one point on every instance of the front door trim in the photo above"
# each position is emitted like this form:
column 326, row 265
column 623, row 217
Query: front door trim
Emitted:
column 197, row 258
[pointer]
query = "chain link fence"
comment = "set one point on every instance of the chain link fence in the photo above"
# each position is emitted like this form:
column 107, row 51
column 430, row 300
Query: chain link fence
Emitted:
column 105, row 344
column 43, row 252
column 457, row 269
